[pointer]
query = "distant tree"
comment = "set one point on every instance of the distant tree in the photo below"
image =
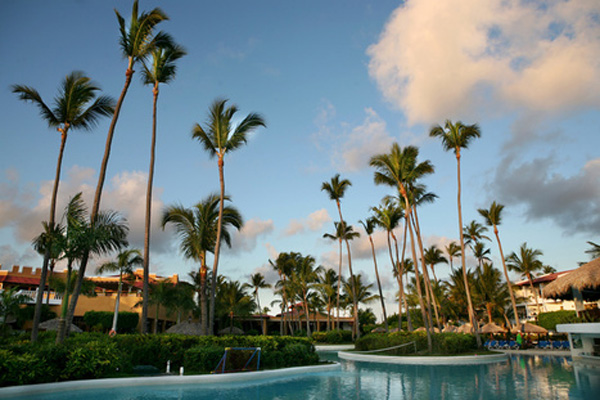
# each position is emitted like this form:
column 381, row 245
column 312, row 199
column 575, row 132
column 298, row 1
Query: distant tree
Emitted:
column 526, row 263
column 257, row 281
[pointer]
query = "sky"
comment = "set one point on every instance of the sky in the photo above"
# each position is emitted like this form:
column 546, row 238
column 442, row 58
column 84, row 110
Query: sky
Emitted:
column 337, row 82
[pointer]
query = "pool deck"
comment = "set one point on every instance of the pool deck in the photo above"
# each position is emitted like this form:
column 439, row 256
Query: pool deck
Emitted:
column 45, row 388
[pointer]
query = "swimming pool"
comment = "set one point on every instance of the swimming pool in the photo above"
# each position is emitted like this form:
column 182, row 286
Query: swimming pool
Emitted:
column 522, row 377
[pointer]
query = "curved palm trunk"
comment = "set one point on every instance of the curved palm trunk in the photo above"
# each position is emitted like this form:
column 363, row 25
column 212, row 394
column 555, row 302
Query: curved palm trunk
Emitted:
column 213, row 289
column 379, row 284
column 337, row 322
column 508, row 283
column 37, row 314
column 429, row 288
column 354, row 302
column 306, row 313
column 98, row 195
column 60, row 332
column 535, row 296
column 407, row 212
column 472, row 317
column 408, row 318
column 399, row 271
column 146, row 265
column 116, row 316
column 262, row 326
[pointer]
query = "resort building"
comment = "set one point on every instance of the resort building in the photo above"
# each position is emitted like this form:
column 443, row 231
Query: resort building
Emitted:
column 27, row 280
column 526, row 304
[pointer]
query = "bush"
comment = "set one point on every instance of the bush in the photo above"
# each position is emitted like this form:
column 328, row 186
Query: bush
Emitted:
column 333, row 337
column 94, row 359
column 203, row 359
column 101, row 321
column 443, row 343
column 549, row 320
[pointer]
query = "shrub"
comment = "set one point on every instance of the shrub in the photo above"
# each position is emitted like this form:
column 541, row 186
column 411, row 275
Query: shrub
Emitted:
column 333, row 337
column 101, row 321
column 443, row 343
column 202, row 359
column 94, row 359
column 549, row 320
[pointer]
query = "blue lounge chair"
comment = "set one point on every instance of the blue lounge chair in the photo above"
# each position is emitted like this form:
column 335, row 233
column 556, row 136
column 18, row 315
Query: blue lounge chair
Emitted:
column 565, row 345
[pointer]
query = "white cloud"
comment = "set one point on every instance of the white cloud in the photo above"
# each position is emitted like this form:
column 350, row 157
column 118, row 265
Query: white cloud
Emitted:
column 247, row 237
column 454, row 59
column 314, row 222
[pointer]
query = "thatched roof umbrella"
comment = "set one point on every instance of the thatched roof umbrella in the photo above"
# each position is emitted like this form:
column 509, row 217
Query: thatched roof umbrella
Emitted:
column 581, row 284
column 465, row 328
column 378, row 330
column 491, row 327
column 528, row 328
column 186, row 328
column 449, row 328
column 231, row 331
column 52, row 325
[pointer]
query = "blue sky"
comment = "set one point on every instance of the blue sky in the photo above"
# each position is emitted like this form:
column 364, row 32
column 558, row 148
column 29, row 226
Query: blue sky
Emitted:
column 337, row 82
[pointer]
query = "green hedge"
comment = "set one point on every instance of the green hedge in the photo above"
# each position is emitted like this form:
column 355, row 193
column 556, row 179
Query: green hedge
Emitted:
column 96, row 355
column 333, row 337
column 443, row 343
column 127, row 322
column 549, row 320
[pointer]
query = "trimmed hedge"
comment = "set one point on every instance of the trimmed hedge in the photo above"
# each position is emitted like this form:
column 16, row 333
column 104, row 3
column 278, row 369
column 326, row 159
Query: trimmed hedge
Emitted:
column 549, row 320
column 127, row 322
column 96, row 355
column 333, row 337
column 443, row 343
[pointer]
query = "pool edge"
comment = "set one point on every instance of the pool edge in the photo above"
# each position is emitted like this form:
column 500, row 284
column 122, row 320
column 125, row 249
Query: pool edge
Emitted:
column 415, row 360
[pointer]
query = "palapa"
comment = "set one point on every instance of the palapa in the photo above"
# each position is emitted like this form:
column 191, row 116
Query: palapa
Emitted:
column 585, row 279
column 186, row 328
column 231, row 331
column 449, row 328
column 526, row 327
column 491, row 327
column 52, row 325
column 465, row 328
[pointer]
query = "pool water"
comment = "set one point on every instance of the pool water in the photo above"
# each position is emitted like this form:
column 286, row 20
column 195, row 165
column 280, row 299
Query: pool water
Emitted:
column 521, row 377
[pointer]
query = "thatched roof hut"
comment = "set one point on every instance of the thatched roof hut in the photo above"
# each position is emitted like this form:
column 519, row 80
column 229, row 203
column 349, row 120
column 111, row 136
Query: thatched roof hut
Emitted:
column 526, row 327
column 465, row 328
column 52, row 325
column 491, row 327
column 449, row 328
column 585, row 280
column 186, row 328
column 231, row 331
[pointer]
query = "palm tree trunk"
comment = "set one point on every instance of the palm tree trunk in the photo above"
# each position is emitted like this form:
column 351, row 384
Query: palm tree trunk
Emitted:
column 146, row 286
column 429, row 288
column 98, row 195
column 306, row 314
column 338, row 289
column 61, row 330
column 508, row 283
column 156, row 320
column 354, row 302
column 472, row 317
column 203, row 300
column 535, row 296
column 407, row 212
column 398, row 269
column 213, row 289
column 379, row 283
column 117, row 301
column 37, row 314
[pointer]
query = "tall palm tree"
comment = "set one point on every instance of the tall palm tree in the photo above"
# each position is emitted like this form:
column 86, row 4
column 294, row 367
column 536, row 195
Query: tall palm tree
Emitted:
column 526, row 263
column 336, row 189
column 457, row 136
column 453, row 250
column 363, row 291
column 490, row 291
column 434, row 256
column 137, row 39
column 75, row 107
column 257, row 281
column 161, row 294
column 387, row 216
column 305, row 275
column 158, row 67
column 493, row 217
column 369, row 225
column 398, row 169
column 220, row 137
column 234, row 300
column 125, row 264
column 196, row 228
column 481, row 253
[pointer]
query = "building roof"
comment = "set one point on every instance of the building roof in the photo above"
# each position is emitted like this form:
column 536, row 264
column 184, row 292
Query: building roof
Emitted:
column 544, row 278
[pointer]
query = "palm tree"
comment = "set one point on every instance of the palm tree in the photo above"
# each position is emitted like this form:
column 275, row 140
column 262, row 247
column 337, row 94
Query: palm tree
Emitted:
column 453, row 250
column 136, row 40
column 158, row 67
column 489, row 289
column 305, row 276
column 526, row 263
column 369, row 226
column 594, row 250
column 327, row 287
column 257, row 281
column 125, row 264
column 474, row 232
column 75, row 107
column 160, row 295
column 233, row 300
column 219, row 138
column 400, row 168
column 336, row 189
column 196, row 228
column 387, row 216
column 107, row 234
column 457, row 136
column 342, row 232
column 434, row 256
column 10, row 304
column 493, row 217
column 481, row 253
